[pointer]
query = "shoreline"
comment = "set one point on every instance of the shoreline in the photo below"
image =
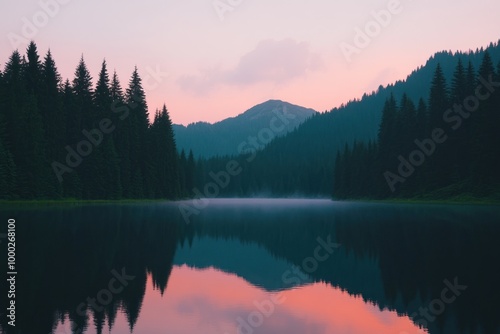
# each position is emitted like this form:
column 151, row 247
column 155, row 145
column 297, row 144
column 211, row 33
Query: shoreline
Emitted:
column 74, row 202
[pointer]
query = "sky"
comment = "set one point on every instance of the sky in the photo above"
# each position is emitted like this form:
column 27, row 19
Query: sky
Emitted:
column 212, row 59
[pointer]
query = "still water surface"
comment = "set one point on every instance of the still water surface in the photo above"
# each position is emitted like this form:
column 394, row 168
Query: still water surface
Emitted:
column 257, row 266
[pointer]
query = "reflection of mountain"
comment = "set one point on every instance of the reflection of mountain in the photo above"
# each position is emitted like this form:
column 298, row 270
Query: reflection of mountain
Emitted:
column 249, row 260
column 394, row 256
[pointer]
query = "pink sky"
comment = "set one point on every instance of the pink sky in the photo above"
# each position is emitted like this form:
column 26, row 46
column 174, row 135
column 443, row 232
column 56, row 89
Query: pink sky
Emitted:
column 214, row 64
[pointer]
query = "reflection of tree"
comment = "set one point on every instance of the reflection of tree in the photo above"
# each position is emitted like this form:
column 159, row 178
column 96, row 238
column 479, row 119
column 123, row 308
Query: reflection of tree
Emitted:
column 394, row 256
column 66, row 256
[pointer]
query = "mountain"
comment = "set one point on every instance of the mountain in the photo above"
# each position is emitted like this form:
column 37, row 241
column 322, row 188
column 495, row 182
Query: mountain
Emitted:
column 224, row 137
column 302, row 162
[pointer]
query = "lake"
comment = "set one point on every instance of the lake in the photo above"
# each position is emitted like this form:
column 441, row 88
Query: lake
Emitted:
column 255, row 266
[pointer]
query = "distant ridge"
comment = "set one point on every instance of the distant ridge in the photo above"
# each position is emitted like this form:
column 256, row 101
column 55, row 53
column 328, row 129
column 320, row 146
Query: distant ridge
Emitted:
column 224, row 137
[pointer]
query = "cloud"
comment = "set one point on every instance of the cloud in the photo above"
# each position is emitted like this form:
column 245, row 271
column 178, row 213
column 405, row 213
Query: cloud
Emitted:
column 275, row 62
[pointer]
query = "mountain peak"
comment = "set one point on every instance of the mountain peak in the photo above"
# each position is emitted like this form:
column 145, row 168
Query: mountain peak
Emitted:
column 224, row 137
column 267, row 108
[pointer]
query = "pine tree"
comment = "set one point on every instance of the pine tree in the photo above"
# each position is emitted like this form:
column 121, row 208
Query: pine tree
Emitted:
column 33, row 71
column 139, row 124
column 406, row 133
column 439, row 169
column 422, row 131
column 72, row 184
column 53, row 117
column 484, row 129
column 83, row 118
column 438, row 100
column 457, row 137
column 408, row 119
column 459, row 83
column 170, row 152
column 387, row 154
column 105, row 158
column 121, row 136
column 466, row 137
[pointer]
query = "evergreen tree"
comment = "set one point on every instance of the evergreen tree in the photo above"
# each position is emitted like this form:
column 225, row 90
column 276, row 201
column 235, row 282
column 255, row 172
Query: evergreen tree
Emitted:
column 484, row 153
column 422, row 131
column 459, row 83
column 458, row 136
column 139, row 124
column 72, row 185
column 121, row 136
column 387, row 151
column 466, row 138
column 33, row 71
column 54, row 119
column 105, row 158
column 406, row 133
column 439, row 169
column 83, row 118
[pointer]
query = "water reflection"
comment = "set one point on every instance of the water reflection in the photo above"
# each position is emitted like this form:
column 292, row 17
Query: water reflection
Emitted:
column 386, row 271
column 210, row 301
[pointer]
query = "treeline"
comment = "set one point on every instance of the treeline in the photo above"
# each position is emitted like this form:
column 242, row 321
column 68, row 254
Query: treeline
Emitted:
column 68, row 140
column 446, row 146
column 297, row 164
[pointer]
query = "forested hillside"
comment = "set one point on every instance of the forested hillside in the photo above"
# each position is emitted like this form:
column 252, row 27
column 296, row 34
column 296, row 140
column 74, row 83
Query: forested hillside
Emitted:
column 444, row 147
column 62, row 139
column 302, row 162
